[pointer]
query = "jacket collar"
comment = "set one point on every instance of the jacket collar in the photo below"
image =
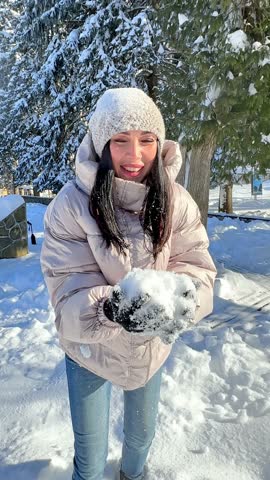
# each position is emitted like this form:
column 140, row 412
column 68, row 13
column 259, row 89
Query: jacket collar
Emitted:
column 127, row 195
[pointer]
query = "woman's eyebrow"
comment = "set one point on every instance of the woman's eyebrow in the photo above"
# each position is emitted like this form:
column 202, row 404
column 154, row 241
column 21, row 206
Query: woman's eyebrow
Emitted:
column 143, row 133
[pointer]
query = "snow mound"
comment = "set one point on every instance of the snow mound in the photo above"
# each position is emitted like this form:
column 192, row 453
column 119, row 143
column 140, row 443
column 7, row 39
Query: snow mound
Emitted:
column 8, row 204
column 170, row 300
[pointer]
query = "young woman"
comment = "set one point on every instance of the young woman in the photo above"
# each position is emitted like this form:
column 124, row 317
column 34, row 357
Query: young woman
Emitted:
column 123, row 210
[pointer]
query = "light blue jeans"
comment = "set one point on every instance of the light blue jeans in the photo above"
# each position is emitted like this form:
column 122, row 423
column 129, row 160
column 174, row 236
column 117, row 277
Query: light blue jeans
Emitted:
column 89, row 398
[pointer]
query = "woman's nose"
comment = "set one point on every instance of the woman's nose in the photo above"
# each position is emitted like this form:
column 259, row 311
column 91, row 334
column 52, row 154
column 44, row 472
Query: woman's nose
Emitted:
column 135, row 150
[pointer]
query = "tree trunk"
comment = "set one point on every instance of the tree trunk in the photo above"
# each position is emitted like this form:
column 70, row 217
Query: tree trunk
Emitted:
column 36, row 192
column 151, row 82
column 11, row 185
column 182, row 174
column 195, row 173
column 225, row 198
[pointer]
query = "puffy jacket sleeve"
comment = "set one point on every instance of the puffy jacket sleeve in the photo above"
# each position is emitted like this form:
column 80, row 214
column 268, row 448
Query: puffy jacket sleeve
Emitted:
column 189, row 249
column 76, row 286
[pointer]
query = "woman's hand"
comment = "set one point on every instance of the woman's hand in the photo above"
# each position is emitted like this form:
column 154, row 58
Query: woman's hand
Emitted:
column 117, row 309
column 140, row 315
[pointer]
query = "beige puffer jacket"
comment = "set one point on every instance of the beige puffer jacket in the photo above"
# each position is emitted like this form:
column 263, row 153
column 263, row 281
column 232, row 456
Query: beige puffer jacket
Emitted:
column 80, row 271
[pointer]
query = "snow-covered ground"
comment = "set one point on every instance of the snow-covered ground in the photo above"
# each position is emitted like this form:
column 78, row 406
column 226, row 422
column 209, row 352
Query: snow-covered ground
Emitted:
column 214, row 416
column 243, row 201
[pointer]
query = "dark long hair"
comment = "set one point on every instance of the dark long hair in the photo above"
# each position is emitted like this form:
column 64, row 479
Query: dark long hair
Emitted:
column 155, row 214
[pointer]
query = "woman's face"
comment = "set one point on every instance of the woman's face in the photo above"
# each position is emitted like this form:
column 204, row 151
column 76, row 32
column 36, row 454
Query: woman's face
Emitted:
column 133, row 154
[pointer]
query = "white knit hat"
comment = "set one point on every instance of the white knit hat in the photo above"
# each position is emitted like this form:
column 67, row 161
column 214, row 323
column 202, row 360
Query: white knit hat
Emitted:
column 122, row 109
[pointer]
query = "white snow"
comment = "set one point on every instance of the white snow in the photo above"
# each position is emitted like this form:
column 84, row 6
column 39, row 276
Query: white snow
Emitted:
column 73, row 38
column 20, row 104
column 256, row 46
column 252, row 90
column 212, row 95
column 265, row 138
column 214, row 415
column 199, row 40
column 8, row 204
column 182, row 19
column 164, row 315
column 238, row 40
column 264, row 61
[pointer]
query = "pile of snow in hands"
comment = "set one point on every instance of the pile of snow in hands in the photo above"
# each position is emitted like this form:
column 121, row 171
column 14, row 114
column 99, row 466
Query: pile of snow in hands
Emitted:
column 169, row 301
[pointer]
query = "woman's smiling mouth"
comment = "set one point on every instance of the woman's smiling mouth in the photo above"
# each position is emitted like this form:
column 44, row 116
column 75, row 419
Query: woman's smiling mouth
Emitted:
column 132, row 170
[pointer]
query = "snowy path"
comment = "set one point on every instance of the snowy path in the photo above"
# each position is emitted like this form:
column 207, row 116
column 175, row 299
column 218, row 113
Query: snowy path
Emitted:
column 241, row 251
column 252, row 299
column 214, row 417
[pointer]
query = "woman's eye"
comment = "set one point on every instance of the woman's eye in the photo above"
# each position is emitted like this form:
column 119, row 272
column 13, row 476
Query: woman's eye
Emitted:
column 119, row 140
column 148, row 140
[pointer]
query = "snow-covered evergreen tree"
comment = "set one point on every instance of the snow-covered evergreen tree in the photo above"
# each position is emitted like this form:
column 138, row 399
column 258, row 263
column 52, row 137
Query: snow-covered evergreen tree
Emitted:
column 68, row 54
column 208, row 69
column 9, row 13
column 220, row 71
column 218, row 82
